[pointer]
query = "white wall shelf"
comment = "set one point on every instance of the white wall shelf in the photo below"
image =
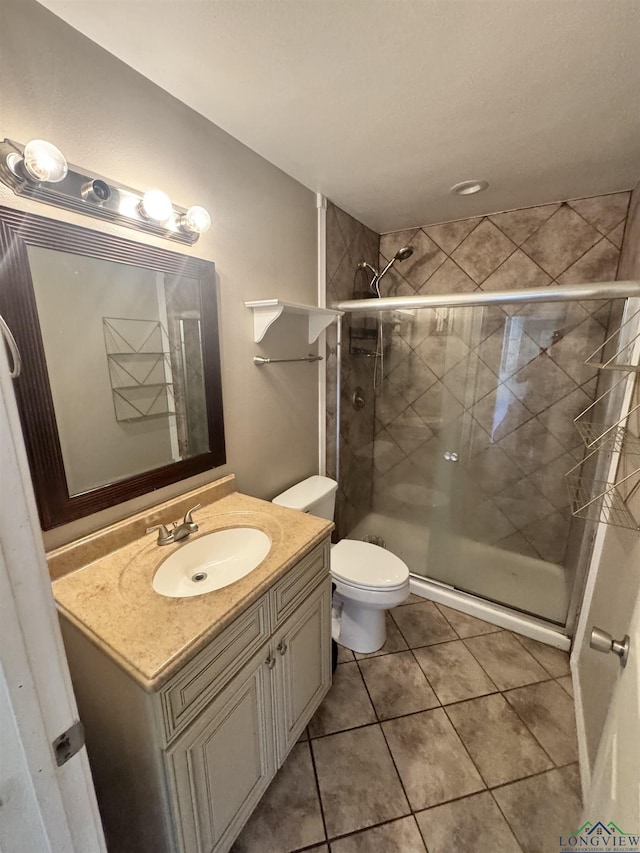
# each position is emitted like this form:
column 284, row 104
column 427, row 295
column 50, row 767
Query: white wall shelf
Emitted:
column 267, row 311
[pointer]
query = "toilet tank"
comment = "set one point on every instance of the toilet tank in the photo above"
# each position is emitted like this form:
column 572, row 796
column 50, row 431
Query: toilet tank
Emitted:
column 315, row 495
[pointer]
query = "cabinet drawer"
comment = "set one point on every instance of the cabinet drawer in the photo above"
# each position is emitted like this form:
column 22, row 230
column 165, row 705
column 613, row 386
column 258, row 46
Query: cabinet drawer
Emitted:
column 184, row 697
column 296, row 585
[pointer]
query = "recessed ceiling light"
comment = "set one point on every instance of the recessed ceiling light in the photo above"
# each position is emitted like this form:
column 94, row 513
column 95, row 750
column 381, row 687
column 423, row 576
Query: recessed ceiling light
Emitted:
column 469, row 187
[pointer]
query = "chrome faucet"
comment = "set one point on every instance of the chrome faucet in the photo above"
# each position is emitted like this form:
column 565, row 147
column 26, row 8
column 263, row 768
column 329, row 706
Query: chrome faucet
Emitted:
column 178, row 531
column 188, row 526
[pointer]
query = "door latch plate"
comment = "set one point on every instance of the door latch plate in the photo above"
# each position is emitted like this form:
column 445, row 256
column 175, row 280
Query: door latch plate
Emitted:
column 66, row 745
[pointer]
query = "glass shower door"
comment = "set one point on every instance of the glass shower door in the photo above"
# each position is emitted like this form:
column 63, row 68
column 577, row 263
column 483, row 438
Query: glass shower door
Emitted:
column 492, row 393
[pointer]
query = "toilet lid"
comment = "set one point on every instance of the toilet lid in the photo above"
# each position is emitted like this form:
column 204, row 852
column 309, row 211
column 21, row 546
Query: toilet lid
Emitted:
column 367, row 566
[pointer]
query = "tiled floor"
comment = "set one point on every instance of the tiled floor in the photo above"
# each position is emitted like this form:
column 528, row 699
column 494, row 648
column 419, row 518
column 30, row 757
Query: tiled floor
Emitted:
column 456, row 736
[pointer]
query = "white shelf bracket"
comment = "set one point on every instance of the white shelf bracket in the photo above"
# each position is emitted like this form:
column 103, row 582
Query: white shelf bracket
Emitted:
column 263, row 317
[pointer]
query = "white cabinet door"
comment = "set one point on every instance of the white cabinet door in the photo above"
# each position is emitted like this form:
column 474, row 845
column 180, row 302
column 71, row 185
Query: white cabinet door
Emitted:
column 220, row 767
column 302, row 648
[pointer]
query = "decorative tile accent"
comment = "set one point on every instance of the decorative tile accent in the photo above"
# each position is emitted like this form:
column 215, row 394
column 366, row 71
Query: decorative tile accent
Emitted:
column 604, row 212
column 429, row 740
column 483, row 251
column 497, row 740
column 449, row 235
column 359, row 785
column 474, row 824
column 397, row 685
column 519, row 225
column 560, row 241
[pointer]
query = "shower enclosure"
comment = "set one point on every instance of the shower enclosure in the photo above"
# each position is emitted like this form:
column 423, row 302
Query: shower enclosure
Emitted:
column 474, row 434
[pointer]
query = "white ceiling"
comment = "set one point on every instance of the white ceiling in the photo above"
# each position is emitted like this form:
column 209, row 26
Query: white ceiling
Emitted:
column 382, row 105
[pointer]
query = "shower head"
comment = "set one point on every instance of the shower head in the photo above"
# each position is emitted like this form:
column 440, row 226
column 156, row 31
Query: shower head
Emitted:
column 403, row 254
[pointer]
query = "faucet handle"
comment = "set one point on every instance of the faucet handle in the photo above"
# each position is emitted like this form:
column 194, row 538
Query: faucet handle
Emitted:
column 188, row 519
column 165, row 537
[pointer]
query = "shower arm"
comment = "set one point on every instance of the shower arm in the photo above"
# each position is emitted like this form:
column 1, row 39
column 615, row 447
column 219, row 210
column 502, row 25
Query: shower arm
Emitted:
column 553, row 293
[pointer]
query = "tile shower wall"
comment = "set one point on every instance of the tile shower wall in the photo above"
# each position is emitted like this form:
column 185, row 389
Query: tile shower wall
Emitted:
column 518, row 469
column 348, row 243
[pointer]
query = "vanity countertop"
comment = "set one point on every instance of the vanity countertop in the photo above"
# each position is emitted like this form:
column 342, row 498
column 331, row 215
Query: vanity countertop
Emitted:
column 112, row 602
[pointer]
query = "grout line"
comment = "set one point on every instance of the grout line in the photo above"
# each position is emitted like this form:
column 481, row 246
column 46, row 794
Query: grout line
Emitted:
column 315, row 776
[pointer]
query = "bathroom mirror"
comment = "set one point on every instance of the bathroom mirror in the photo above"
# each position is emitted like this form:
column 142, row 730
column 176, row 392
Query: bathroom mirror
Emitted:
column 120, row 389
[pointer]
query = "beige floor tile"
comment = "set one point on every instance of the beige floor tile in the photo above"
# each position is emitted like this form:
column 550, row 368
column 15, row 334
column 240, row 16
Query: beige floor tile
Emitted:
column 431, row 759
column 505, row 660
column 422, row 624
column 397, row 685
column 345, row 706
column 453, row 672
column 292, row 793
column 555, row 661
column 394, row 642
column 400, row 836
column 413, row 599
column 571, row 774
column 344, row 655
column 497, row 740
column 566, row 682
column 540, row 810
column 359, row 785
column 465, row 625
column 471, row 824
column 547, row 711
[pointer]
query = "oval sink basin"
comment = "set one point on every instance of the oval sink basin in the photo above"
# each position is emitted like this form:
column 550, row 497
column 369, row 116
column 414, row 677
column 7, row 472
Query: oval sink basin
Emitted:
column 211, row 562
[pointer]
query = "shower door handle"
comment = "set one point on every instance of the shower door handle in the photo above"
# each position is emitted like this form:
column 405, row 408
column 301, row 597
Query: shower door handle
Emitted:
column 601, row 641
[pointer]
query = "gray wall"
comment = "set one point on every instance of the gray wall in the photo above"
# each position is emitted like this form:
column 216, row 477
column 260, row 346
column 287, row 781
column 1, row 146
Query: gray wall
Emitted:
column 58, row 85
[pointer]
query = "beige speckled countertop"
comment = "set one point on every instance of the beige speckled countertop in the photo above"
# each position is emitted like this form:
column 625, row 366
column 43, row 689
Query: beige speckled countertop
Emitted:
column 112, row 602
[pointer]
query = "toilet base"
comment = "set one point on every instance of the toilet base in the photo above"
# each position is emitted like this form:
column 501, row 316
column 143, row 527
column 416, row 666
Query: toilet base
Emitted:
column 362, row 629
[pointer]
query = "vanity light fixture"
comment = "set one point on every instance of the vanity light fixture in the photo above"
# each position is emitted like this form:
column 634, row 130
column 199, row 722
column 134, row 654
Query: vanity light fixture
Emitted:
column 39, row 170
column 156, row 205
column 40, row 161
column 469, row 187
column 196, row 220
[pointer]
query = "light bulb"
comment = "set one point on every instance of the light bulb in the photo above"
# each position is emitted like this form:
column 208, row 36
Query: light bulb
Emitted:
column 42, row 161
column 156, row 205
column 196, row 220
column 469, row 187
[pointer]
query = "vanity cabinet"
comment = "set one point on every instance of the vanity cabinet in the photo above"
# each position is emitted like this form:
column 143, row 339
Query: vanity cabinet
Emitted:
column 181, row 770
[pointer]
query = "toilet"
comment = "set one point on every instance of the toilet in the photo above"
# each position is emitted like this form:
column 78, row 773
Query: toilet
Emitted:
column 369, row 579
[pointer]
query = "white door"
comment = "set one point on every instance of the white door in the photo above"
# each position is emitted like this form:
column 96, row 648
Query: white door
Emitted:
column 43, row 807
column 615, row 784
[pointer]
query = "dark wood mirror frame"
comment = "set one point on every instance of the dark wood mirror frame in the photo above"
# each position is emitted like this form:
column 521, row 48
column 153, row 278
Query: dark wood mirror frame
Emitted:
column 33, row 392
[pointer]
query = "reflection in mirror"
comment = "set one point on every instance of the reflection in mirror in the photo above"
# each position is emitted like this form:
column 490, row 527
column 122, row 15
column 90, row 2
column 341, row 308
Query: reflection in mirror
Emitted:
column 120, row 392
column 122, row 345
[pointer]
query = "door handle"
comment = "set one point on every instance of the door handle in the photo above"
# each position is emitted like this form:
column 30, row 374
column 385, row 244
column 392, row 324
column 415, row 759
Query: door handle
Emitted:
column 270, row 662
column 282, row 647
column 601, row 641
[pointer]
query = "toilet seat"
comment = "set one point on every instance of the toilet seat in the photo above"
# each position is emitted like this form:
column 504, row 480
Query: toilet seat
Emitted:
column 363, row 565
